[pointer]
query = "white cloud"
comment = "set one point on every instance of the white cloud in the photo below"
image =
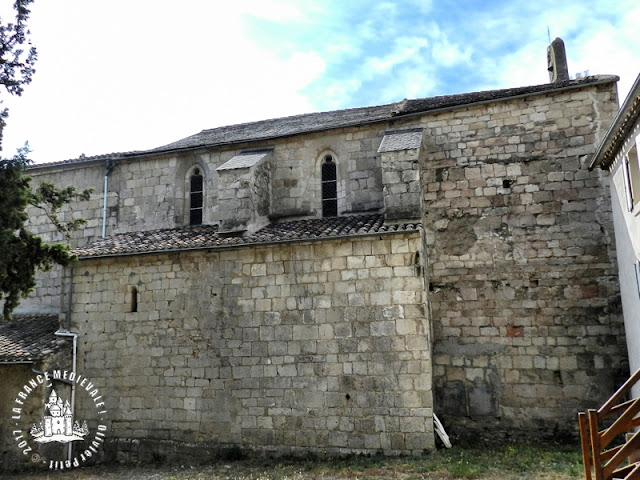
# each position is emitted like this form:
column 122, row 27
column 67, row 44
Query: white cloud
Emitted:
column 610, row 48
column 273, row 10
column 422, row 7
column 598, row 37
column 335, row 93
column 410, row 83
column 405, row 49
column 107, row 81
column 446, row 53
column 123, row 75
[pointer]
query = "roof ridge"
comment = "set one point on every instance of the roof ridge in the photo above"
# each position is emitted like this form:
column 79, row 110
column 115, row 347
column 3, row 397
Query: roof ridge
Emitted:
column 297, row 115
column 278, row 127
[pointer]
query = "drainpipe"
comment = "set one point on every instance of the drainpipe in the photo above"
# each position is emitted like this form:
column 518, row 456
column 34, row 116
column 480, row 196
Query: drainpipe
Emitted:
column 66, row 333
column 109, row 164
column 69, row 296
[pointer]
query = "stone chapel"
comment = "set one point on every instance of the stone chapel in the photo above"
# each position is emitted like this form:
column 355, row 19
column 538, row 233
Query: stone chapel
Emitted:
column 327, row 282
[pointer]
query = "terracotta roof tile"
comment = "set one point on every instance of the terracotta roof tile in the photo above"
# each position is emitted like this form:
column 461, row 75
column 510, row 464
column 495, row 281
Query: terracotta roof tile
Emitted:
column 29, row 338
column 207, row 236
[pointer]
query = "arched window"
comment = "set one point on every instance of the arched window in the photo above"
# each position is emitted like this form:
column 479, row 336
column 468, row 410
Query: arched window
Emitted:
column 329, row 187
column 196, row 197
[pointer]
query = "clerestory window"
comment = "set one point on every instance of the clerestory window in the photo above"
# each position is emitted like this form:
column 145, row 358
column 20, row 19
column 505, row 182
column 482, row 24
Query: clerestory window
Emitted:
column 196, row 197
column 329, row 177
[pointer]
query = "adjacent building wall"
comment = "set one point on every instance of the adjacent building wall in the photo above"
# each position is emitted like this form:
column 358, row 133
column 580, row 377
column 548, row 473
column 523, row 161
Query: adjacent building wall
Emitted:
column 627, row 234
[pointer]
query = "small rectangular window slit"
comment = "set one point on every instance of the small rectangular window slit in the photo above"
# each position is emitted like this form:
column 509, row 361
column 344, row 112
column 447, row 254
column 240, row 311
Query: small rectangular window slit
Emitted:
column 133, row 300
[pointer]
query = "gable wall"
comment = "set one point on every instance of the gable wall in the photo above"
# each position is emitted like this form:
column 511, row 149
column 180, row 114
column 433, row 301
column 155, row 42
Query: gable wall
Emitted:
column 522, row 275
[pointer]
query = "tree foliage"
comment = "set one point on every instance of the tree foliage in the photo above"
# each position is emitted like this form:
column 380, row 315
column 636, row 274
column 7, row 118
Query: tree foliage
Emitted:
column 16, row 62
column 22, row 253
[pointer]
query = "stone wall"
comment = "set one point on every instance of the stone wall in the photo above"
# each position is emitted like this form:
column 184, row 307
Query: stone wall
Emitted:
column 245, row 192
column 14, row 379
column 521, row 265
column 152, row 192
column 318, row 347
column 296, row 174
column 146, row 193
column 522, row 289
column 400, row 159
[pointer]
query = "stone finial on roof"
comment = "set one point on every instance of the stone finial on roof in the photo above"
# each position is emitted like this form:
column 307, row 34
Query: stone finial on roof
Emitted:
column 557, row 61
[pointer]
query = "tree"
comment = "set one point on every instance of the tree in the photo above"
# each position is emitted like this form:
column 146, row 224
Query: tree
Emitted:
column 16, row 64
column 21, row 252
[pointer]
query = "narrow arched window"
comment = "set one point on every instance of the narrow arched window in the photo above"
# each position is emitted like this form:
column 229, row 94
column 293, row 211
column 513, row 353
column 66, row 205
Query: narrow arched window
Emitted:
column 196, row 197
column 329, row 187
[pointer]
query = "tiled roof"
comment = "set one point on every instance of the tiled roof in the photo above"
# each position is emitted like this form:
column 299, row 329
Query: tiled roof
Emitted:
column 29, row 338
column 314, row 122
column 263, row 130
column 207, row 236
column 463, row 99
column 91, row 159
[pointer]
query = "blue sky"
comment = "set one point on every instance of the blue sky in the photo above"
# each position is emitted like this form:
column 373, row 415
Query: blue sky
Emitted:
column 121, row 75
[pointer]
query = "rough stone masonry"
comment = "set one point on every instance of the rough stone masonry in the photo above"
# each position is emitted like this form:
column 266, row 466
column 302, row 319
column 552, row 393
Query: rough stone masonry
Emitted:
column 486, row 291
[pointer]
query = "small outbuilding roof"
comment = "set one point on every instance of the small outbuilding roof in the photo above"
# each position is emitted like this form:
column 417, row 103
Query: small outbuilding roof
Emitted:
column 207, row 236
column 29, row 338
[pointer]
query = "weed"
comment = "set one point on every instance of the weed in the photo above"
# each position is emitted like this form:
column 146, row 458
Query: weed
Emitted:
column 506, row 462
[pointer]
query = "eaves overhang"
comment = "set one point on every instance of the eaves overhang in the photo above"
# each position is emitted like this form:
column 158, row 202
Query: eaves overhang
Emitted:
column 619, row 130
